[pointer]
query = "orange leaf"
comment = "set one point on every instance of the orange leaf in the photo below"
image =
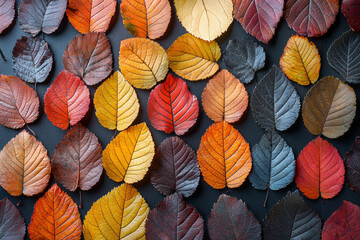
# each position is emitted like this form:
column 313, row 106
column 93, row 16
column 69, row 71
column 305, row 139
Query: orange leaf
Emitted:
column 146, row 18
column 224, row 156
column 90, row 15
column 55, row 216
column 224, row 98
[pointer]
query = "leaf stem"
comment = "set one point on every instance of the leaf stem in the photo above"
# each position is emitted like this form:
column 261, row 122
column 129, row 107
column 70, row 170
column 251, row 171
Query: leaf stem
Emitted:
column 3, row 56
column 33, row 133
column 267, row 195
column 80, row 204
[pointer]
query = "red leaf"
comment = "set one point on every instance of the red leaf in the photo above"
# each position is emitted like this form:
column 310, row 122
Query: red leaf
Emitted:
column 319, row 170
column 66, row 100
column 343, row 223
column 351, row 10
column 172, row 107
column 259, row 18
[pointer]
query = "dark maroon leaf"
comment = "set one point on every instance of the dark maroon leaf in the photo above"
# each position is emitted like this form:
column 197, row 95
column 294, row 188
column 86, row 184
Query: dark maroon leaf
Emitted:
column 177, row 170
column 32, row 59
column 12, row 225
column 175, row 219
column 351, row 10
column 7, row 13
column 231, row 219
column 352, row 166
column 41, row 15
column 89, row 57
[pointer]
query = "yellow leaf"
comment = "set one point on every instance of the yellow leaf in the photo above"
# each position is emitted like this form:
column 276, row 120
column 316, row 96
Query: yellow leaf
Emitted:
column 206, row 19
column 129, row 155
column 121, row 214
column 143, row 62
column 301, row 60
column 193, row 58
column 116, row 103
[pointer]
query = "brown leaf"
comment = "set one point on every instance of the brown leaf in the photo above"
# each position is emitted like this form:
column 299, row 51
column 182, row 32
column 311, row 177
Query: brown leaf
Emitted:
column 7, row 13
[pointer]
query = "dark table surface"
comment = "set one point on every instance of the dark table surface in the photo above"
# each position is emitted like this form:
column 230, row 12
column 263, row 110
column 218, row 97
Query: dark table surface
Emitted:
column 205, row 196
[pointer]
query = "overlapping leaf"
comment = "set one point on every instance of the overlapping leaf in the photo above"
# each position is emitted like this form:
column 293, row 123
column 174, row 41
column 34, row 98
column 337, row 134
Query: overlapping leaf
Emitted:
column 66, row 100
column 243, row 58
column 273, row 163
column 41, row 15
column 275, row 103
column 143, row 62
column 32, row 59
column 259, row 18
column 116, row 103
column 146, row 18
column 301, row 60
column 177, row 168
column 172, row 107
column 343, row 223
column 90, row 15
column 351, row 10
column 7, row 13
column 292, row 218
column 224, row 98
column 173, row 218
column 325, row 109
column 19, row 104
column 12, row 224
column 311, row 17
column 231, row 219
column 24, row 166
column 193, row 58
column 76, row 161
column 89, row 57
column 224, row 156
column 128, row 156
column 344, row 56
column 121, row 214
column 352, row 165
column 56, row 216
column 319, row 170
column 205, row 19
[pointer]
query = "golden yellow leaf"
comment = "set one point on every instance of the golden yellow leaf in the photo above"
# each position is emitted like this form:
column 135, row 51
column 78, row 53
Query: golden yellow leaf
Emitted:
column 193, row 58
column 121, row 214
column 116, row 103
column 129, row 155
column 143, row 62
column 205, row 19
column 301, row 60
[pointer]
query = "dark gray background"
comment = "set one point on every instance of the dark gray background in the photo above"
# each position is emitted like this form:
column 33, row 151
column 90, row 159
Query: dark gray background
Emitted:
column 205, row 196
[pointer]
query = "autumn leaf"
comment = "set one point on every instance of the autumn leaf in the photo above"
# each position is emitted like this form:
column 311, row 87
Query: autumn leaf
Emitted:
column 143, row 62
column 259, row 18
column 301, row 60
column 205, row 19
column 173, row 218
column 343, row 223
column 275, row 103
column 90, row 15
column 55, row 216
column 351, row 11
column 311, row 17
column 244, row 58
column 129, row 155
column 7, row 13
column 116, row 103
column 319, row 170
column 12, row 224
column 177, row 169
column 325, row 109
column 41, row 15
column 352, row 165
column 292, row 217
column 89, row 57
column 66, row 100
column 172, row 107
column 32, row 59
column 19, row 103
column 224, row 98
column 76, row 161
column 224, row 156
column 121, row 214
column 146, row 18
column 24, row 166
column 231, row 219
column 193, row 58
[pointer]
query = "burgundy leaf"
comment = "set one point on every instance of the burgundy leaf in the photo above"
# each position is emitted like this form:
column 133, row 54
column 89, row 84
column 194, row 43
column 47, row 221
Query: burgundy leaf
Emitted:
column 12, row 225
column 351, row 10
column 352, row 166
column 7, row 13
